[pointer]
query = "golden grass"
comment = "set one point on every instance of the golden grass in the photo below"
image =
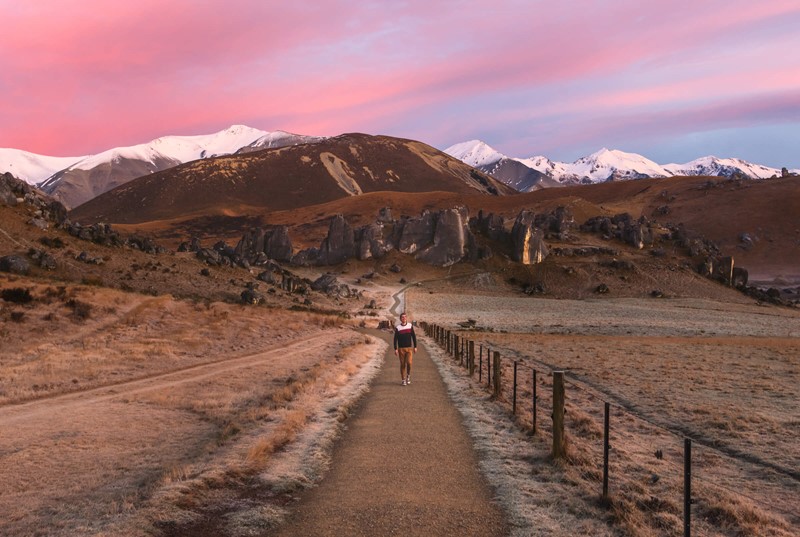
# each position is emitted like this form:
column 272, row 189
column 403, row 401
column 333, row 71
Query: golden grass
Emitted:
column 232, row 419
column 736, row 395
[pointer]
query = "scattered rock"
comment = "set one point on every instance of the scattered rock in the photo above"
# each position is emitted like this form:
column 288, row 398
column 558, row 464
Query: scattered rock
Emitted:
column 15, row 264
column 251, row 296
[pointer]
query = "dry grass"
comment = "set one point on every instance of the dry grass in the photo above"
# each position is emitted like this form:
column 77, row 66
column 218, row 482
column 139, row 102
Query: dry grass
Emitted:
column 158, row 408
column 670, row 369
column 76, row 338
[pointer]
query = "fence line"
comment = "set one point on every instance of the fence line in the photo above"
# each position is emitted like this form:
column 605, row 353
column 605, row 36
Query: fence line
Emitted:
column 455, row 345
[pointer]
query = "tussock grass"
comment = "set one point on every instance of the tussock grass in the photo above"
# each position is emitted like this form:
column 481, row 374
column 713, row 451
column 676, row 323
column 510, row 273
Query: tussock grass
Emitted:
column 680, row 370
column 269, row 422
column 264, row 414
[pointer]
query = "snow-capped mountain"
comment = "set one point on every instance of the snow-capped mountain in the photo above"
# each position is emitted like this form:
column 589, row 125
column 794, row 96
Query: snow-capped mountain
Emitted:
column 74, row 180
column 274, row 139
column 723, row 167
column 601, row 166
column 475, row 153
column 165, row 152
column 611, row 165
column 512, row 172
column 30, row 167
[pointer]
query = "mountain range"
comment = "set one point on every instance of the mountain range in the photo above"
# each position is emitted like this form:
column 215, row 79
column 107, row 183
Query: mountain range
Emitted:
column 527, row 174
column 287, row 178
column 76, row 180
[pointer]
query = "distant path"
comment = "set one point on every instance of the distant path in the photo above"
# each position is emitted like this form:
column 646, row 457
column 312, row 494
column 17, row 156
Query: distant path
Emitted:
column 404, row 466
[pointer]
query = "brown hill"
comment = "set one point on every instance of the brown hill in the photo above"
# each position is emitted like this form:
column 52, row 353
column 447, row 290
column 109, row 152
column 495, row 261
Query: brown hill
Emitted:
column 74, row 186
column 288, row 178
column 753, row 220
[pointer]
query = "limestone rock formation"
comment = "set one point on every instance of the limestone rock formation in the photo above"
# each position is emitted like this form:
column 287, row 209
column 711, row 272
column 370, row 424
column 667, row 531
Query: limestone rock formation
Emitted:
column 370, row 242
column 339, row 245
column 492, row 226
column 416, row 233
column 272, row 242
column 528, row 246
column 451, row 239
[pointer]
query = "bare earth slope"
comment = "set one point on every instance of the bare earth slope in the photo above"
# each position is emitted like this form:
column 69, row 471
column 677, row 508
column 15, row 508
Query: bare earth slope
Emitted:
column 288, row 178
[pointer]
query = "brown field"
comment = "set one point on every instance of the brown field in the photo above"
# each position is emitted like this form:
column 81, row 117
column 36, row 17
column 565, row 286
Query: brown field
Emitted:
column 127, row 414
column 138, row 398
column 726, row 375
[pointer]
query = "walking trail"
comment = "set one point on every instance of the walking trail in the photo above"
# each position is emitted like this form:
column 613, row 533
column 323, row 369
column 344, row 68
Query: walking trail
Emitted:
column 404, row 466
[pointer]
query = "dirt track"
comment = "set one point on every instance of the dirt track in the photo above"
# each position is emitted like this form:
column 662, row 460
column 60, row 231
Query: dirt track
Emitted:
column 60, row 454
column 405, row 466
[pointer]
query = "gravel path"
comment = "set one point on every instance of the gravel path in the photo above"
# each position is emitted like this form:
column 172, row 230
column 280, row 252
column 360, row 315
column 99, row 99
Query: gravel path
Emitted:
column 405, row 466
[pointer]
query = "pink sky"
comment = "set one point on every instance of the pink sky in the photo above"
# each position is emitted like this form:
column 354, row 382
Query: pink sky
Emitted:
column 673, row 80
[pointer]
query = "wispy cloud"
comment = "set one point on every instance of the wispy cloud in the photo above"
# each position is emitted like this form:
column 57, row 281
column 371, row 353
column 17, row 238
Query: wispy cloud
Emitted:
column 81, row 76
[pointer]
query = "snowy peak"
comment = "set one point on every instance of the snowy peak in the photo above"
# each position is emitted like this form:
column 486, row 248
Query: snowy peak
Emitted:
column 30, row 167
column 476, row 153
column 604, row 165
column 714, row 166
column 74, row 180
column 608, row 164
column 177, row 149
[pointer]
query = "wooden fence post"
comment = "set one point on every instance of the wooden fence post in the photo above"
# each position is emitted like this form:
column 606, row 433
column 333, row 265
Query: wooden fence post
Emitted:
column 687, row 487
column 488, row 368
column 496, row 375
column 514, row 393
column 471, row 359
column 559, row 448
column 534, row 401
column 606, row 447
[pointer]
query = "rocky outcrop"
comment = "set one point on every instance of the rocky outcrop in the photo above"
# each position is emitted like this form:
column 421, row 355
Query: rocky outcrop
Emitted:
column 452, row 238
column 636, row 232
column 260, row 245
column 14, row 192
column 328, row 284
column 527, row 240
column 440, row 239
column 370, row 242
column 340, row 243
column 15, row 264
column 556, row 223
column 492, row 226
column 416, row 233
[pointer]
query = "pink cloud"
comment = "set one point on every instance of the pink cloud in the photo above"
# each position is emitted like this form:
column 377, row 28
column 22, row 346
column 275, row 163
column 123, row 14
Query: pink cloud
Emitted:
column 80, row 76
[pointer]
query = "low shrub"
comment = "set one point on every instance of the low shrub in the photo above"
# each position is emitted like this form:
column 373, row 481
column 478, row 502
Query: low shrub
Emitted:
column 17, row 295
column 80, row 310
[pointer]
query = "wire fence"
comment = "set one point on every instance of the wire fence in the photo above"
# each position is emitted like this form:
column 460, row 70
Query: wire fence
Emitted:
column 663, row 473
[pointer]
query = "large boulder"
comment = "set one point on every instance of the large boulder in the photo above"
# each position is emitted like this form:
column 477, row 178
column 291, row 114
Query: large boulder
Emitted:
column 370, row 242
column 416, row 233
column 328, row 284
column 451, row 239
column 557, row 222
column 272, row 242
column 15, row 264
column 277, row 244
column 492, row 226
column 339, row 245
column 528, row 246
column 306, row 258
column 7, row 185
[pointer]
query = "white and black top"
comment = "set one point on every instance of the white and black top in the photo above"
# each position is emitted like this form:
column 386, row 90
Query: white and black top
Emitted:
column 404, row 336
